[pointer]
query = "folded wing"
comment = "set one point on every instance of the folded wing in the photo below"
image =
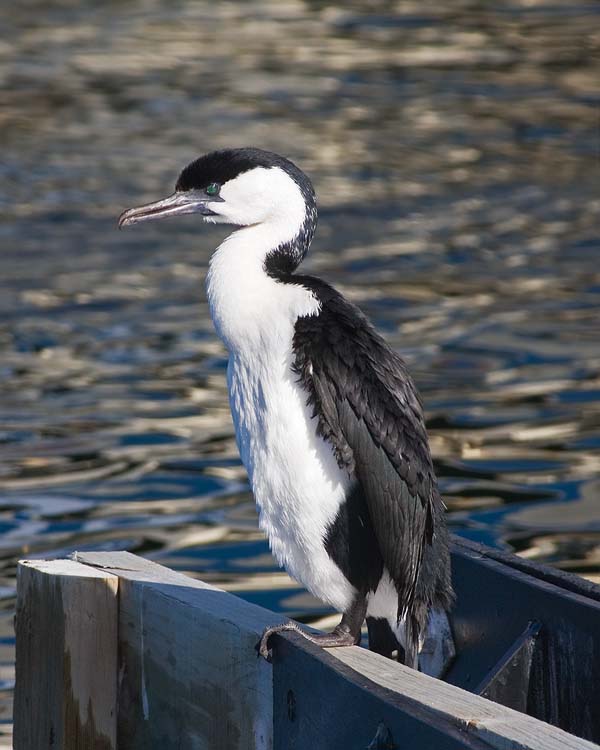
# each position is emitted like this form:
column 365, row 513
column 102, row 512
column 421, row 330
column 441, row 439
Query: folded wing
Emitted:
column 369, row 410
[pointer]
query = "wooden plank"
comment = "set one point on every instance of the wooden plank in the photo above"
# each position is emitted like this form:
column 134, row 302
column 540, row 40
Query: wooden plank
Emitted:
column 66, row 679
column 191, row 678
column 320, row 703
column 480, row 720
column 190, row 674
column 495, row 602
column 560, row 578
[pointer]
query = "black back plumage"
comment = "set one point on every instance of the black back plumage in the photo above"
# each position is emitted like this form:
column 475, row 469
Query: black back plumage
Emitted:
column 369, row 411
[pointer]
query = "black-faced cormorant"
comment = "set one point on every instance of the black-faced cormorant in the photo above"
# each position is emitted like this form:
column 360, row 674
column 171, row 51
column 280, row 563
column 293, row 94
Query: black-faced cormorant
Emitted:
column 328, row 422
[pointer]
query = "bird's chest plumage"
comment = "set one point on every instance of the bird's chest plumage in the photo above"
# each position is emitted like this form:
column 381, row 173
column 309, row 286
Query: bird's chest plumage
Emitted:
column 296, row 481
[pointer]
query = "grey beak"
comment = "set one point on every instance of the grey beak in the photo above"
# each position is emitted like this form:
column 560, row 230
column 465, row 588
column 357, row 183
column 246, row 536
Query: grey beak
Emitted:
column 178, row 204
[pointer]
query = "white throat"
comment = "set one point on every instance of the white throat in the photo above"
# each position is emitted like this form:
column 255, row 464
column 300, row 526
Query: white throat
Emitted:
column 248, row 307
column 245, row 302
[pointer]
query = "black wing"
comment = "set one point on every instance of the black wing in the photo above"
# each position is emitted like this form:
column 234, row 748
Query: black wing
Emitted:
column 369, row 410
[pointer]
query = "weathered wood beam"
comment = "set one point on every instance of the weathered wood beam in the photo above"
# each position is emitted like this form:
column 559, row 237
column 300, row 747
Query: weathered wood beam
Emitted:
column 337, row 699
column 66, row 687
column 476, row 721
column 190, row 676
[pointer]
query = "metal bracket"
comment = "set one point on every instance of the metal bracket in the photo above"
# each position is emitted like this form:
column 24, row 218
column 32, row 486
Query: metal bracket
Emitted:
column 508, row 680
column 383, row 739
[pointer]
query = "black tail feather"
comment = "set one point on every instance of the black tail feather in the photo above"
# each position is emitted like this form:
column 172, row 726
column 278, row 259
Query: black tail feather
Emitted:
column 411, row 647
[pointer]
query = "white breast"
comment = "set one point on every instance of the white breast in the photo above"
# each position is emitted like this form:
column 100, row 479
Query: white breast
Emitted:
column 296, row 481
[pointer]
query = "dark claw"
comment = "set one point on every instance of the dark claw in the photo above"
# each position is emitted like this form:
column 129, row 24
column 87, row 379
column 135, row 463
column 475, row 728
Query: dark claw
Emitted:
column 263, row 645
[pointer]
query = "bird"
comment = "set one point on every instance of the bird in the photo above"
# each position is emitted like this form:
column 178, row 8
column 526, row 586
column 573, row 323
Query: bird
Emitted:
column 328, row 421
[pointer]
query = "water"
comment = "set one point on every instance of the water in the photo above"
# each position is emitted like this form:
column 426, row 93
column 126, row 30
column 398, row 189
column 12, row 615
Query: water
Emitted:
column 455, row 149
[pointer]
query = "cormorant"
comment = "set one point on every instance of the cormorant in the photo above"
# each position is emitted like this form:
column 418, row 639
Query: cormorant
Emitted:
column 328, row 421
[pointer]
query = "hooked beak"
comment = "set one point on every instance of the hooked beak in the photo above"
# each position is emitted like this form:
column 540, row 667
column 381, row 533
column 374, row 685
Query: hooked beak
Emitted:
column 178, row 204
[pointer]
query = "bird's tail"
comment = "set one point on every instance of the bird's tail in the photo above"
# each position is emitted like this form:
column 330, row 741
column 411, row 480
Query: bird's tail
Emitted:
column 430, row 649
column 394, row 639
column 388, row 635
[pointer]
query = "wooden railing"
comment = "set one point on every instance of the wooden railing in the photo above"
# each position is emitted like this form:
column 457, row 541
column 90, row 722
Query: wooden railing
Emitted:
column 114, row 651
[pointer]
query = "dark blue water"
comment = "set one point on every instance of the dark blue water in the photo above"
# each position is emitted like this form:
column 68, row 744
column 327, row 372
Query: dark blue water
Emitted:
column 455, row 149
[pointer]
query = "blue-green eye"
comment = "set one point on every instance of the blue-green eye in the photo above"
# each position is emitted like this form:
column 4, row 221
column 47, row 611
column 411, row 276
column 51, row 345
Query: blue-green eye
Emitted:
column 213, row 189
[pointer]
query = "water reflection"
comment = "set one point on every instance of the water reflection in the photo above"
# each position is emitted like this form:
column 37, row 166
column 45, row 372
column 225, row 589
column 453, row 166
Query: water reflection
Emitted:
column 456, row 152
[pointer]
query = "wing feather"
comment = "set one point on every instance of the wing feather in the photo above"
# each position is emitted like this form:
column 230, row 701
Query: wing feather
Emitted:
column 369, row 410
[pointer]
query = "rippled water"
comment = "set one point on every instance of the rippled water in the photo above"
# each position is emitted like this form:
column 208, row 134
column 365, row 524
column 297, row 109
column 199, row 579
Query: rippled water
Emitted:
column 455, row 148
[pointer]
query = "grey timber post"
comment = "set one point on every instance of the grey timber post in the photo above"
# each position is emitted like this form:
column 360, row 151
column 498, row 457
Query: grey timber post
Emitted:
column 66, row 690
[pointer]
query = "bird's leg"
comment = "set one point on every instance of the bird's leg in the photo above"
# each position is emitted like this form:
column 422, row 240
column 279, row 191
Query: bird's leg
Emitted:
column 347, row 633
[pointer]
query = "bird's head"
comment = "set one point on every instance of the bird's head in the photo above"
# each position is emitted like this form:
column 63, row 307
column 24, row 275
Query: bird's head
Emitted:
column 244, row 187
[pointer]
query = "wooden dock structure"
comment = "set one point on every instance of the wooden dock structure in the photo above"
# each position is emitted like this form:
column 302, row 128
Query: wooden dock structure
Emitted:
column 115, row 652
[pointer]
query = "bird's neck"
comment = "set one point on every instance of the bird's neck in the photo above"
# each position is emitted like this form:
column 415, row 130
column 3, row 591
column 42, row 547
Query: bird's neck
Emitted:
column 284, row 256
column 246, row 297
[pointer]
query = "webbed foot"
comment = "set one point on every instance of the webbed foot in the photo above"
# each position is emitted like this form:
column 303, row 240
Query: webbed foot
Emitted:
column 340, row 636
